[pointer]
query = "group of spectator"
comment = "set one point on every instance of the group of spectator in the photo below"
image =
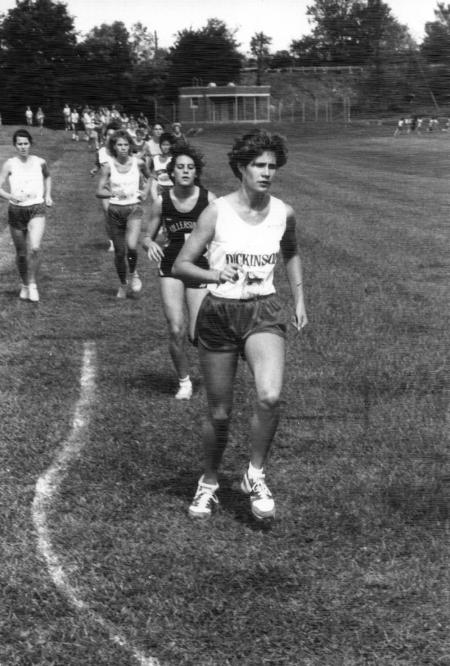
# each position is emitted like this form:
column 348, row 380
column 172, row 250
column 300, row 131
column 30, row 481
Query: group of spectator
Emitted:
column 416, row 124
column 37, row 118
column 93, row 122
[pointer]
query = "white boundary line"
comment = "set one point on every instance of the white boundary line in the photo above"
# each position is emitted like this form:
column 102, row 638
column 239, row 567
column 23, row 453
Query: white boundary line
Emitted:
column 47, row 487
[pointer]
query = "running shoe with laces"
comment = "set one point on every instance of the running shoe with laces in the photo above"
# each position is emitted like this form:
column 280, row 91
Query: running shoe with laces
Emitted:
column 135, row 283
column 261, row 501
column 185, row 391
column 205, row 500
column 23, row 295
column 33, row 293
column 122, row 292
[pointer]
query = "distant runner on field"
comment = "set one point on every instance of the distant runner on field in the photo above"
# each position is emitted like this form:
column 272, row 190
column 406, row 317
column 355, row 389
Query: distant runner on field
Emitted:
column 120, row 182
column 29, row 191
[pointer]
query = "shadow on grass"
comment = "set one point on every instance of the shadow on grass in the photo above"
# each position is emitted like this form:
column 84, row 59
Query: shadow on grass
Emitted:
column 100, row 245
column 231, row 500
column 420, row 502
column 159, row 382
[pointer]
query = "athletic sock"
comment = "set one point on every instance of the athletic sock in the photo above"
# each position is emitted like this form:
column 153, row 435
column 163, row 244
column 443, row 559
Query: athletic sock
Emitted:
column 254, row 472
column 132, row 259
column 185, row 380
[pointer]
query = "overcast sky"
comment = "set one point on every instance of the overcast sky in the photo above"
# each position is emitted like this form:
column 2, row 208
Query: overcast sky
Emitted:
column 283, row 20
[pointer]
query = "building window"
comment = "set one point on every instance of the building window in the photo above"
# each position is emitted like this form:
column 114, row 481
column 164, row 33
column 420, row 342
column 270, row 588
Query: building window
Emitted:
column 194, row 102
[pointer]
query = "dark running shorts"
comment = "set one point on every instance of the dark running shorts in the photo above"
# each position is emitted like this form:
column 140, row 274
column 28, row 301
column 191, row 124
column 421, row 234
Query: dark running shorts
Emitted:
column 119, row 215
column 168, row 260
column 19, row 216
column 224, row 324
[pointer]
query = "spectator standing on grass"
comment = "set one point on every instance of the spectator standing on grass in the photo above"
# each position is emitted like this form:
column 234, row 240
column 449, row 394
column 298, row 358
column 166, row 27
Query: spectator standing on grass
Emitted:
column 66, row 117
column 140, row 144
column 40, row 117
column 120, row 182
column 29, row 191
column 178, row 209
column 29, row 116
column 153, row 142
column 244, row 232
column 74, row 122
column 90, row 129
column 177, row 133
column 158, row 166
column 400, row 127
column 433, row 124
column 142, row 121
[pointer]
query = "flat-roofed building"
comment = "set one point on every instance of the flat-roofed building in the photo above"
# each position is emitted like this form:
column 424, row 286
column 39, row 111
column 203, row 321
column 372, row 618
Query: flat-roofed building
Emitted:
column 224, row 104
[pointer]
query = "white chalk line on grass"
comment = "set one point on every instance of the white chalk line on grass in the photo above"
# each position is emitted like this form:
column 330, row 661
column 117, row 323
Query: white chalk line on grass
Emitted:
column 47, row 487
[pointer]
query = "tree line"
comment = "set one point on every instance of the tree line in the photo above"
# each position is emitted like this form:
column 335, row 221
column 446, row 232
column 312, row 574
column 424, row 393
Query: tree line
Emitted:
column 44, row 63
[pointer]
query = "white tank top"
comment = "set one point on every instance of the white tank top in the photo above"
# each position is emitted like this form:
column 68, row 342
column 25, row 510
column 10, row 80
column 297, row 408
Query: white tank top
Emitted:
column 104, row 157
column 254, row 248
column 26, row 179
column 160, row 170
column 124, row 186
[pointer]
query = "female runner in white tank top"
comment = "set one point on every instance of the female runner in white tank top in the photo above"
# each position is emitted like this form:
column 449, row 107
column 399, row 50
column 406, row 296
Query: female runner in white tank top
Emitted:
column 120, row 182
column 29, row 193
column 244, row 232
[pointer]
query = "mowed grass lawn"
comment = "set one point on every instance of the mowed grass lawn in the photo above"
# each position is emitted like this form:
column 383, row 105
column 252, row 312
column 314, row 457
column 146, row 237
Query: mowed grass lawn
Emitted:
column 355, row 568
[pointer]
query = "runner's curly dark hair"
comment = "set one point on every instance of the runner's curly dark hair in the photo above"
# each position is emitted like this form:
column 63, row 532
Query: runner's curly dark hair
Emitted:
column 253, row 144
column 119, row 134
column 186, row 149
column 22, row 133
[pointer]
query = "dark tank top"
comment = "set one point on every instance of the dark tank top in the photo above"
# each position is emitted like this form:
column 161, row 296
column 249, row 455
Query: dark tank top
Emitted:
column 179, row 225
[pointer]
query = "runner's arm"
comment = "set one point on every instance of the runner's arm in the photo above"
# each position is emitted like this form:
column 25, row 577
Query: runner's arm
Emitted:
column 194, row 247
column 4, row 175
column 103, row 189
column 293, row 264
column 47, row 184
column 145, row 189
column 154, row 250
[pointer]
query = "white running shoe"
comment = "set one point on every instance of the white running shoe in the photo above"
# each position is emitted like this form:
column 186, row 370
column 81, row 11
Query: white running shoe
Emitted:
column 205, row 500
column 110, row 246
column 261, row 501
column 33, row 293
column 122, row 291
column 23, row 292
column 136, row 284
column 185, row 390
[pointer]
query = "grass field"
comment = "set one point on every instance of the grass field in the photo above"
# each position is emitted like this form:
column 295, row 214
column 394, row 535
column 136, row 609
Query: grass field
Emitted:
column 355, row 568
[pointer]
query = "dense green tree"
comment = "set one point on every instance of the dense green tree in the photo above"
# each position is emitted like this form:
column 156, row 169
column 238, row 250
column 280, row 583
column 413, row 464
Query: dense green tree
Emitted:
column 259, row 48
column 280, row 60
column 106, row 62
column 206, row 55
column 435, row 52
column 436, row 44
column 38, row 43
column 142, row 44
column 350, row 32
column 306, row 51
column 148, row 84
column 332, row 29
